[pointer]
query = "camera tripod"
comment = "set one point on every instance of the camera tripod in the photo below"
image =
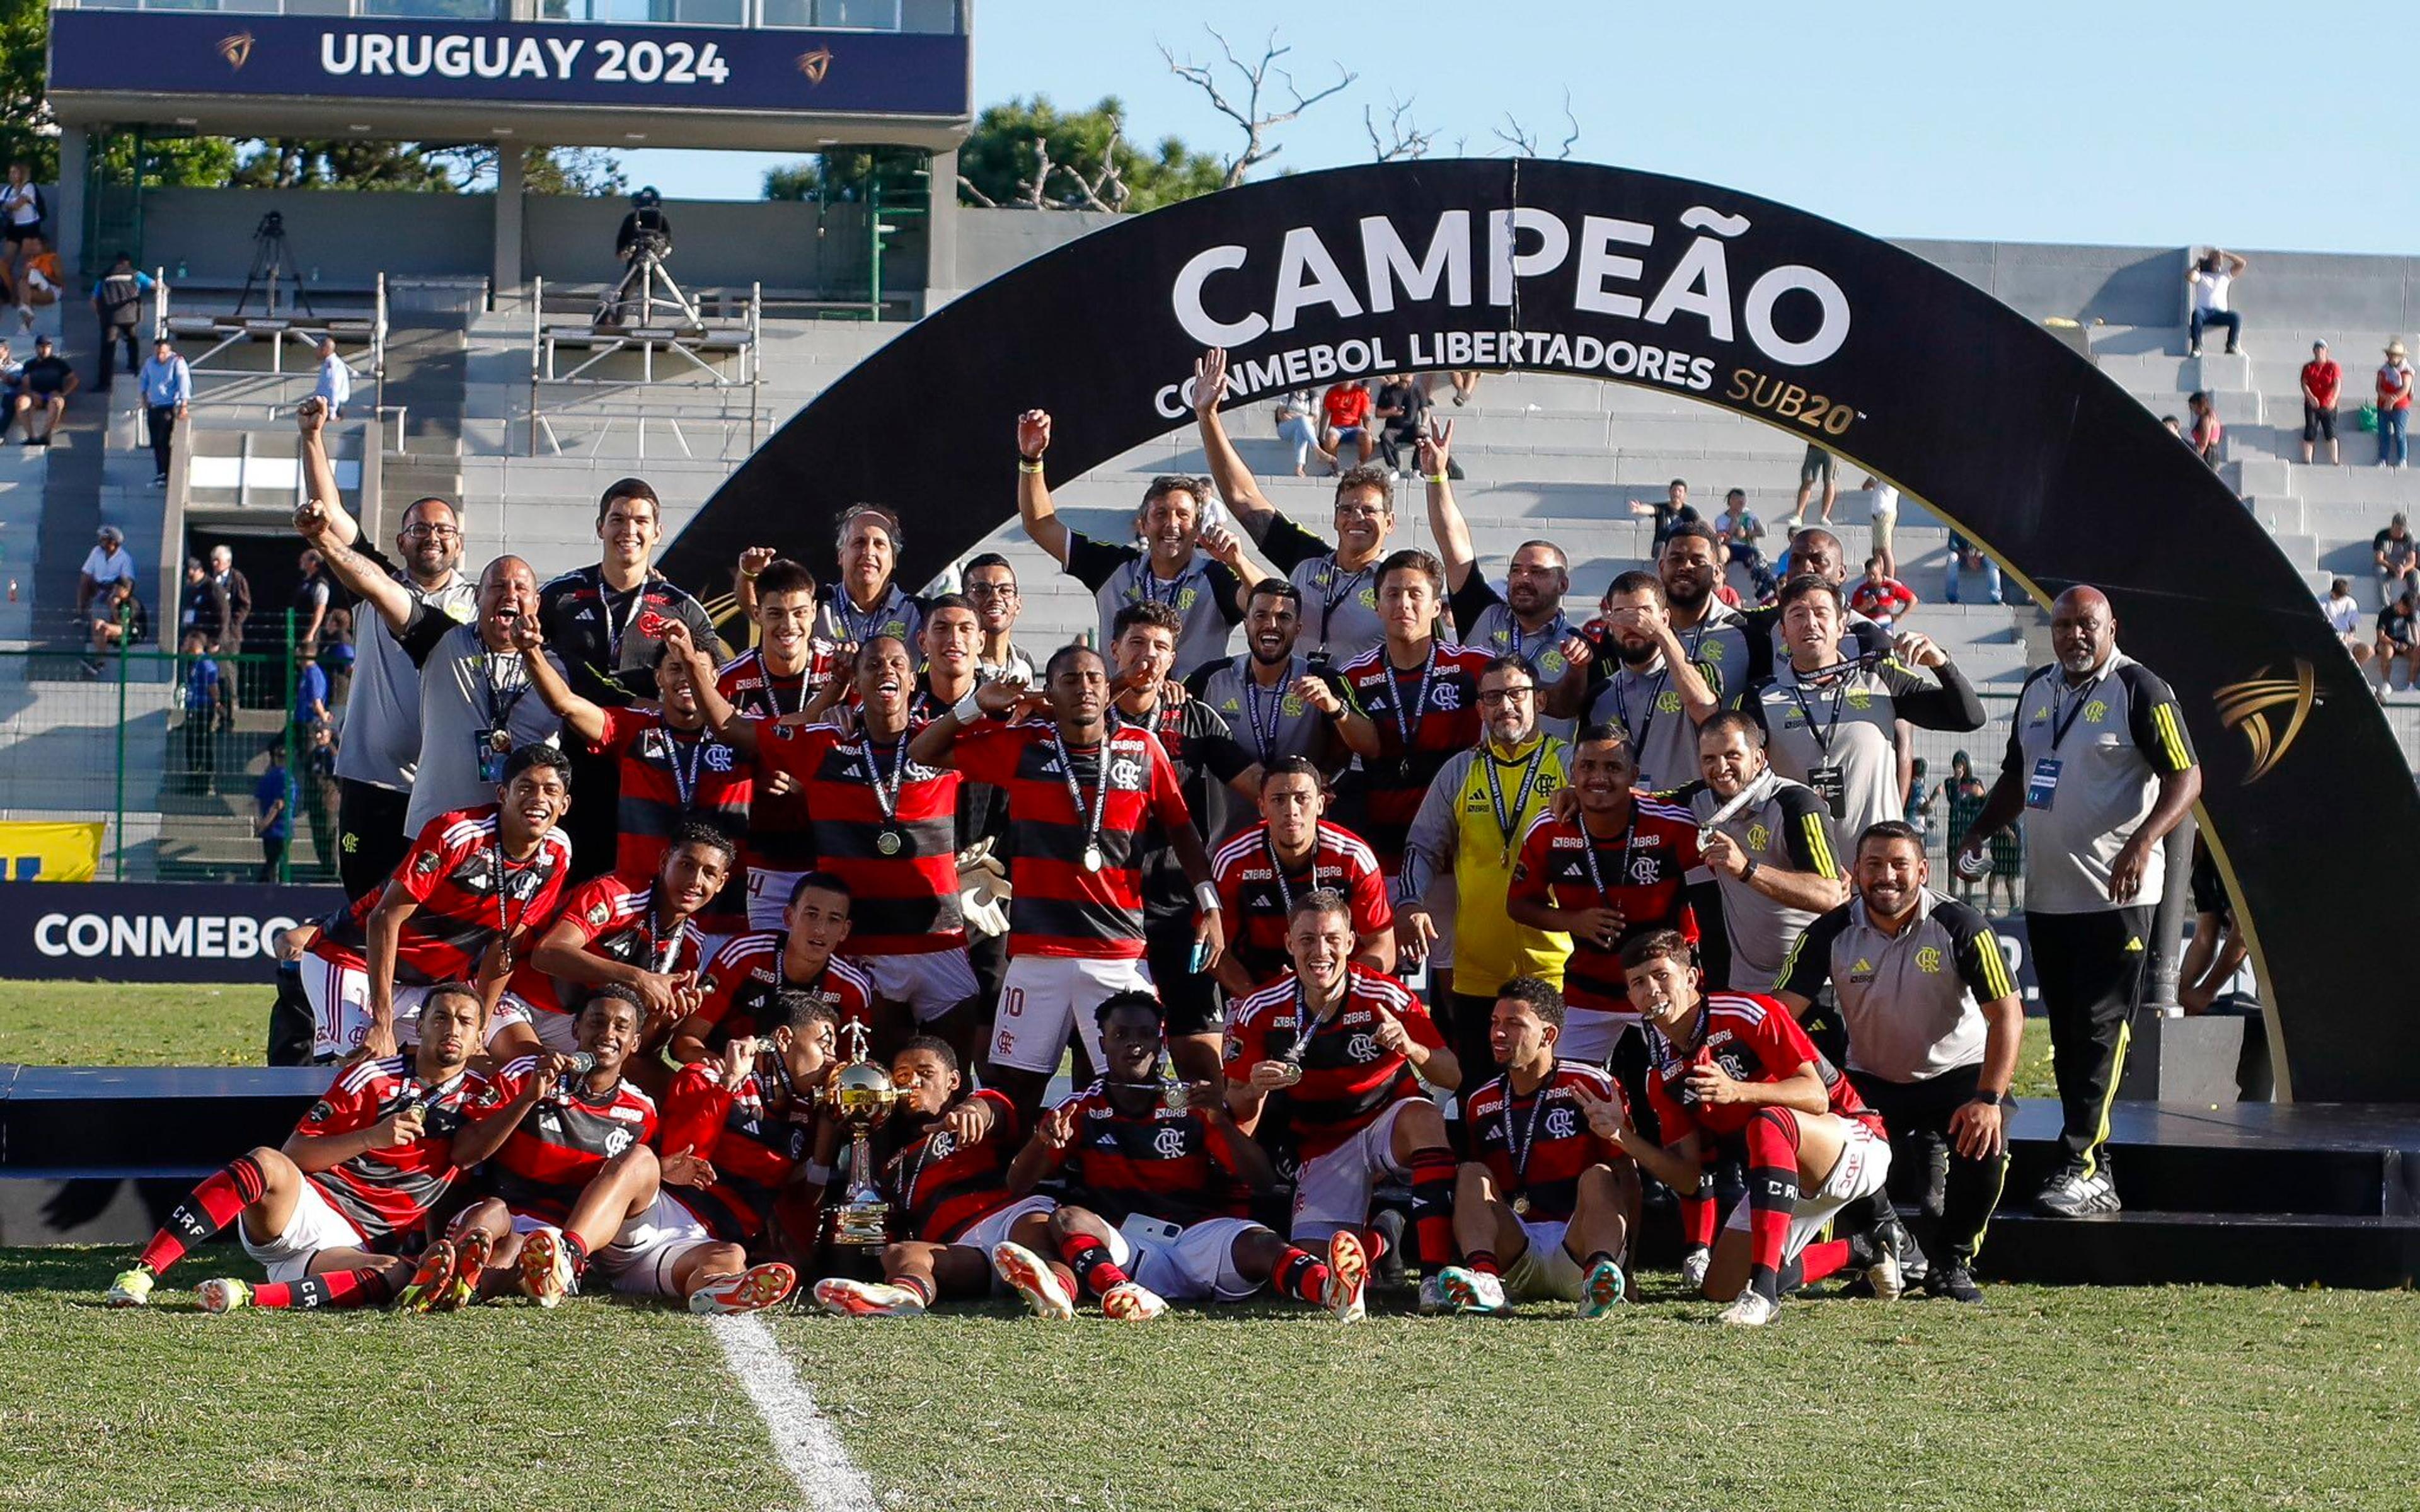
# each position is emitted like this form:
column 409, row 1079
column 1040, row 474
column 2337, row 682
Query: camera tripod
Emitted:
column 272, row 260
column 646, row 285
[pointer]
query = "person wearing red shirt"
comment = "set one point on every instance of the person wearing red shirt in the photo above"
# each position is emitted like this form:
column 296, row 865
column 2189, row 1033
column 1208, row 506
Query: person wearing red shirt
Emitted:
column 1082, row 795
column 738, row 993
column 325, row 1212
column 468, row 887
column 1878, row 597
column 1545, row 1205
column 642, row 936
column 776, row 681
column 1350, row 1050
column 2323, row 379
column 1736, row 1067
column 1292, row 850
column 1345, row 407
column 751, row 1117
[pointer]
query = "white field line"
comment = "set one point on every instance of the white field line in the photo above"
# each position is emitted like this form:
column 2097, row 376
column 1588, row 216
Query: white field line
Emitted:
column 811, row 1450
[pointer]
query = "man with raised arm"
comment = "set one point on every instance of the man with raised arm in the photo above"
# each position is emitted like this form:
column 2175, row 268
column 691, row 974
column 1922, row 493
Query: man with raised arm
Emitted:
column 1631, row 670
column 1526, row 620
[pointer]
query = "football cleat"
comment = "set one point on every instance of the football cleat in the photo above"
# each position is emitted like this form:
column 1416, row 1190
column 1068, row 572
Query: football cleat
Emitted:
column 1954, row 1281
column 222, row 1294
column 1023, row 1272
column 2075, row 1194
column 1749, row 1310
column 469, row 1263
column 131, row 1288
column 1433, row 1297
column 1470, row 1291
column 1694, row 1261
column 546, row 1268
column 1129, row 1302
column 866, row 1299
column 1348, row 1277
column 753, row 1290
column 429, row 1279
column 1882, row 1248
column 1387, row 1257
column 1602, row 1289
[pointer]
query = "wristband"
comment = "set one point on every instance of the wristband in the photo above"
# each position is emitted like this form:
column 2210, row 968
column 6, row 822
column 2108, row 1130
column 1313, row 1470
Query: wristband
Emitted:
column 1030, row 464
column 1440, row 480
column 752, row 576
column 1749, row 871
column 666, row 1055
column 967, row 711
column 1205, row 895
column 817, row 1174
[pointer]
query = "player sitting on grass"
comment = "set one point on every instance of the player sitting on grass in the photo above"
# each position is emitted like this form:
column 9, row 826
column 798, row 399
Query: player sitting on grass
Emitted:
column 751, row 1117
column 1546, row 1207
column 947, row 1183
column 1348, row 1049
column 324, row 1213
column 735, row 998
column 1735, row 1065
column 1163, row 1177
column 581, row 1187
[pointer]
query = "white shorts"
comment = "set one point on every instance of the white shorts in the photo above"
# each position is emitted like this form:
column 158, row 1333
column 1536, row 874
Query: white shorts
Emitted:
column 1044, row 998
column 1197, row 1265
column 1590, row 1034
column 317, row 1224
column 768, row 897
column 1331, row 1191
column 930, row 982
column 640, row 1260
column 1863, row 1167
column 340, row 1013
column 1546, row 1271
column 554, row 1030
column 990, row 1229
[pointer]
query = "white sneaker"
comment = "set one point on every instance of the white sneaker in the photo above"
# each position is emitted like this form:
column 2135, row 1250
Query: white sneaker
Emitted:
column 222, row 1294
column 1472, row 1292
column 866, row 1299
column 1133, row 1302
column 1601, row 1290
column 1348, row 1277
column 1040, row 1285
column 1433, row 1297
column 1749, row 1310
column 1693, row 1266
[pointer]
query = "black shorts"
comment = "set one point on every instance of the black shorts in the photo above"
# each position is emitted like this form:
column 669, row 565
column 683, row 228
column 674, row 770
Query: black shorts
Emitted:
column 15, row 233
column 1190, row 997
column 2319, row 424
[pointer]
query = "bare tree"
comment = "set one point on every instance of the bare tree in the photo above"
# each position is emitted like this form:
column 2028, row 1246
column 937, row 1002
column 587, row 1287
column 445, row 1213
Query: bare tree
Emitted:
column 1525, row 144
column 1251, row 118
column 1403, row 141
column 1105, row 191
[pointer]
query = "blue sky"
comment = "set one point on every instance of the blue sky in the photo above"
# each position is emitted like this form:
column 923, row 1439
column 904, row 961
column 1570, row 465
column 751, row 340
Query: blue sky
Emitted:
column 2054, row 121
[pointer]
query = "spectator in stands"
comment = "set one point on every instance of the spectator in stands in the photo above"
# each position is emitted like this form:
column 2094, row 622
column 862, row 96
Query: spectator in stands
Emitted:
column 334, row 389
column 1886, row 520
column 274, row 795
column 168, row 385
column 1818, row 467
column 107, row 562
column 2322, row 377
column 2206, row 431
column 1739, row 531
column 12, row 383
column 1345, row 407
column 2209, row 280
column 2344, row 618
column 118, row 299
column 48, row 380
column 117, row 624
column 310, row 690
column 1962, row 795
column 192, row 598
column 39, row 283
column 336, row 655
column 1671, row 510
column 2398, row 643
column 1401, row 414
column 311, row 596
column 2393, row 408
column 23, row 213
column 231, row 606
column 1466, row 385
column 1298, row 427
column 2396, row 557
column 205, row 701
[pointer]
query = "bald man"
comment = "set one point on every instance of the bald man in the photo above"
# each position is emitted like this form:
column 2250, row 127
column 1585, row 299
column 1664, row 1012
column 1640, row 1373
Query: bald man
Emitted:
column 2101, row 769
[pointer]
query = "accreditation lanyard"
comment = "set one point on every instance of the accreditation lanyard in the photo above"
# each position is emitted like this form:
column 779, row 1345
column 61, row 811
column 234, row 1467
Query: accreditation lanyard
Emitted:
column 1553, row 633
column 886, row 797
column 1276, row 869
column 1336, row 588
column 1148, row 585
column 1639, row 732
column 621, row 633
column 662, row 951
column 1840, row 691
column 505, row 923
column 1305, row 1027
column 856, row 628
column 1589, row 848
column 1508, row 821
column 684, row 773
column 2059, row 727
column 1520, row 1152
column 1264, row 736
column 1408, row 721
column 502, row 695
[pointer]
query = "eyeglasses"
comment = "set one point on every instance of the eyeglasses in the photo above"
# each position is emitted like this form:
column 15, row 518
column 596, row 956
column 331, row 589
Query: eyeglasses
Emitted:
column 1505, row 695
column 991, row 589
column 423, row 532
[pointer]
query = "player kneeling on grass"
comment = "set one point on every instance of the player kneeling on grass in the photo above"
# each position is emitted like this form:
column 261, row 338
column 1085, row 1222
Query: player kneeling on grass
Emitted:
column 753, row 1116
column 1546, row 1207
column 1735, row 1066
column 579, row 1186
column 325, row 1212
column 1348, row 1049
column 946, row 1177
column 1163, row 1178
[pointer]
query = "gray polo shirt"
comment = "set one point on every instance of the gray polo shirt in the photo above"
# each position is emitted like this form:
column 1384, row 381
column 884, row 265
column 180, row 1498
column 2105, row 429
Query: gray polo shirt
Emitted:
column 1487, row 622
column 1340, row 606
column 901, row 615
column 1203, row 596
column 1642, row 703
column 1785, row 825
column 465, row 691
column 1835, row 732
column 1267, row 722
column 381, row 743
column 1912, row 1002
column 2090, row 759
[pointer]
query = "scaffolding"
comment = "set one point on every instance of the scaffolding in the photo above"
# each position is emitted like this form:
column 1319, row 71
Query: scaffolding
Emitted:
column 231, row 334
column 713, row 348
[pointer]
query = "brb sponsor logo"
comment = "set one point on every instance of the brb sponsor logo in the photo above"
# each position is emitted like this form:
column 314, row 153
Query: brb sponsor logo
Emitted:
column 1679, row 284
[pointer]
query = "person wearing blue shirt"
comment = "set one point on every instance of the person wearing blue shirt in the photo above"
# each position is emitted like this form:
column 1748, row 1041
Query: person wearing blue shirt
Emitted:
column 118, row 299
column 311, row 690
column 204, row 695
column 168, row 394
column 274, row 793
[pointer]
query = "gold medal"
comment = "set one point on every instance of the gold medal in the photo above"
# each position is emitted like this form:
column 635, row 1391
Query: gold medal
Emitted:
column 887, row 843
column 1521, row 1206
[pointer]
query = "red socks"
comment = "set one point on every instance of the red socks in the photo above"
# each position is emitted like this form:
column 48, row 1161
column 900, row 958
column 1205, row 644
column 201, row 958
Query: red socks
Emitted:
column 1772, row 1195
column 216, row 1203
column 1302, row 1275
column 1816, row 1261
column 365, row 1288
column 1090, row 1259
column 1433, row 1208
column 1697, row 1213
column 1482, row 1261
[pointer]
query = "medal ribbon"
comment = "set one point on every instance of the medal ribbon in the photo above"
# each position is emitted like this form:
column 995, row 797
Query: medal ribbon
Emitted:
column 1076, row 790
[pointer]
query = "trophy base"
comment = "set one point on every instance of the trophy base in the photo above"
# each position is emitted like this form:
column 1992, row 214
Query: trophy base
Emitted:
column 862, row 1226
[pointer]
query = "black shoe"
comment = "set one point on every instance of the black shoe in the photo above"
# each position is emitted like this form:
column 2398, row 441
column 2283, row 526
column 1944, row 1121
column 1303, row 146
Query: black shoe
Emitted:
column 1389, row 1227
column 1951, row 1279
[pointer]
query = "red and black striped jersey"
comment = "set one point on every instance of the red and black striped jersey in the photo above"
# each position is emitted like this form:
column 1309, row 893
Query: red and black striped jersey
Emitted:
column 779, row 839
column 1753, row 1039
column 754, row 1154
column 1254, row 891
column 1536, row 1145
column 1645, row 872
column 904, row 900
column 387, row 1191
column 1447, row 721
column 559, row 1145
column 1059, row 907
column 1175, row 1165
column 670, row 775
column 616, row 921
column 1348, row 1079
column 468, row 894
column 740, row 982
column 942, row 1187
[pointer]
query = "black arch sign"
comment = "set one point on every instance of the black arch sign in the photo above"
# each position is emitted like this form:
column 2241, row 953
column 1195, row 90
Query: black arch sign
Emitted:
column 1742, row 303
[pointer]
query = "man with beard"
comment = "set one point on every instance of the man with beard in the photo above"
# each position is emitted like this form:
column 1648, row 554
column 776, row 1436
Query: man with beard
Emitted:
column 607, row 623
column 1256, row 693
column 1294, row 850
column 1084, row 793
column 1341, row 616
column 869, row 603
column 1933, row 1022
column 1714, row 638
column 1168, row 567
column 1651, row 693
column 1772, row 855
column 1525, row 620
column 381, row 752
column 742, row 984
column 615, row 932
column 990, row 585
column 775, row 681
